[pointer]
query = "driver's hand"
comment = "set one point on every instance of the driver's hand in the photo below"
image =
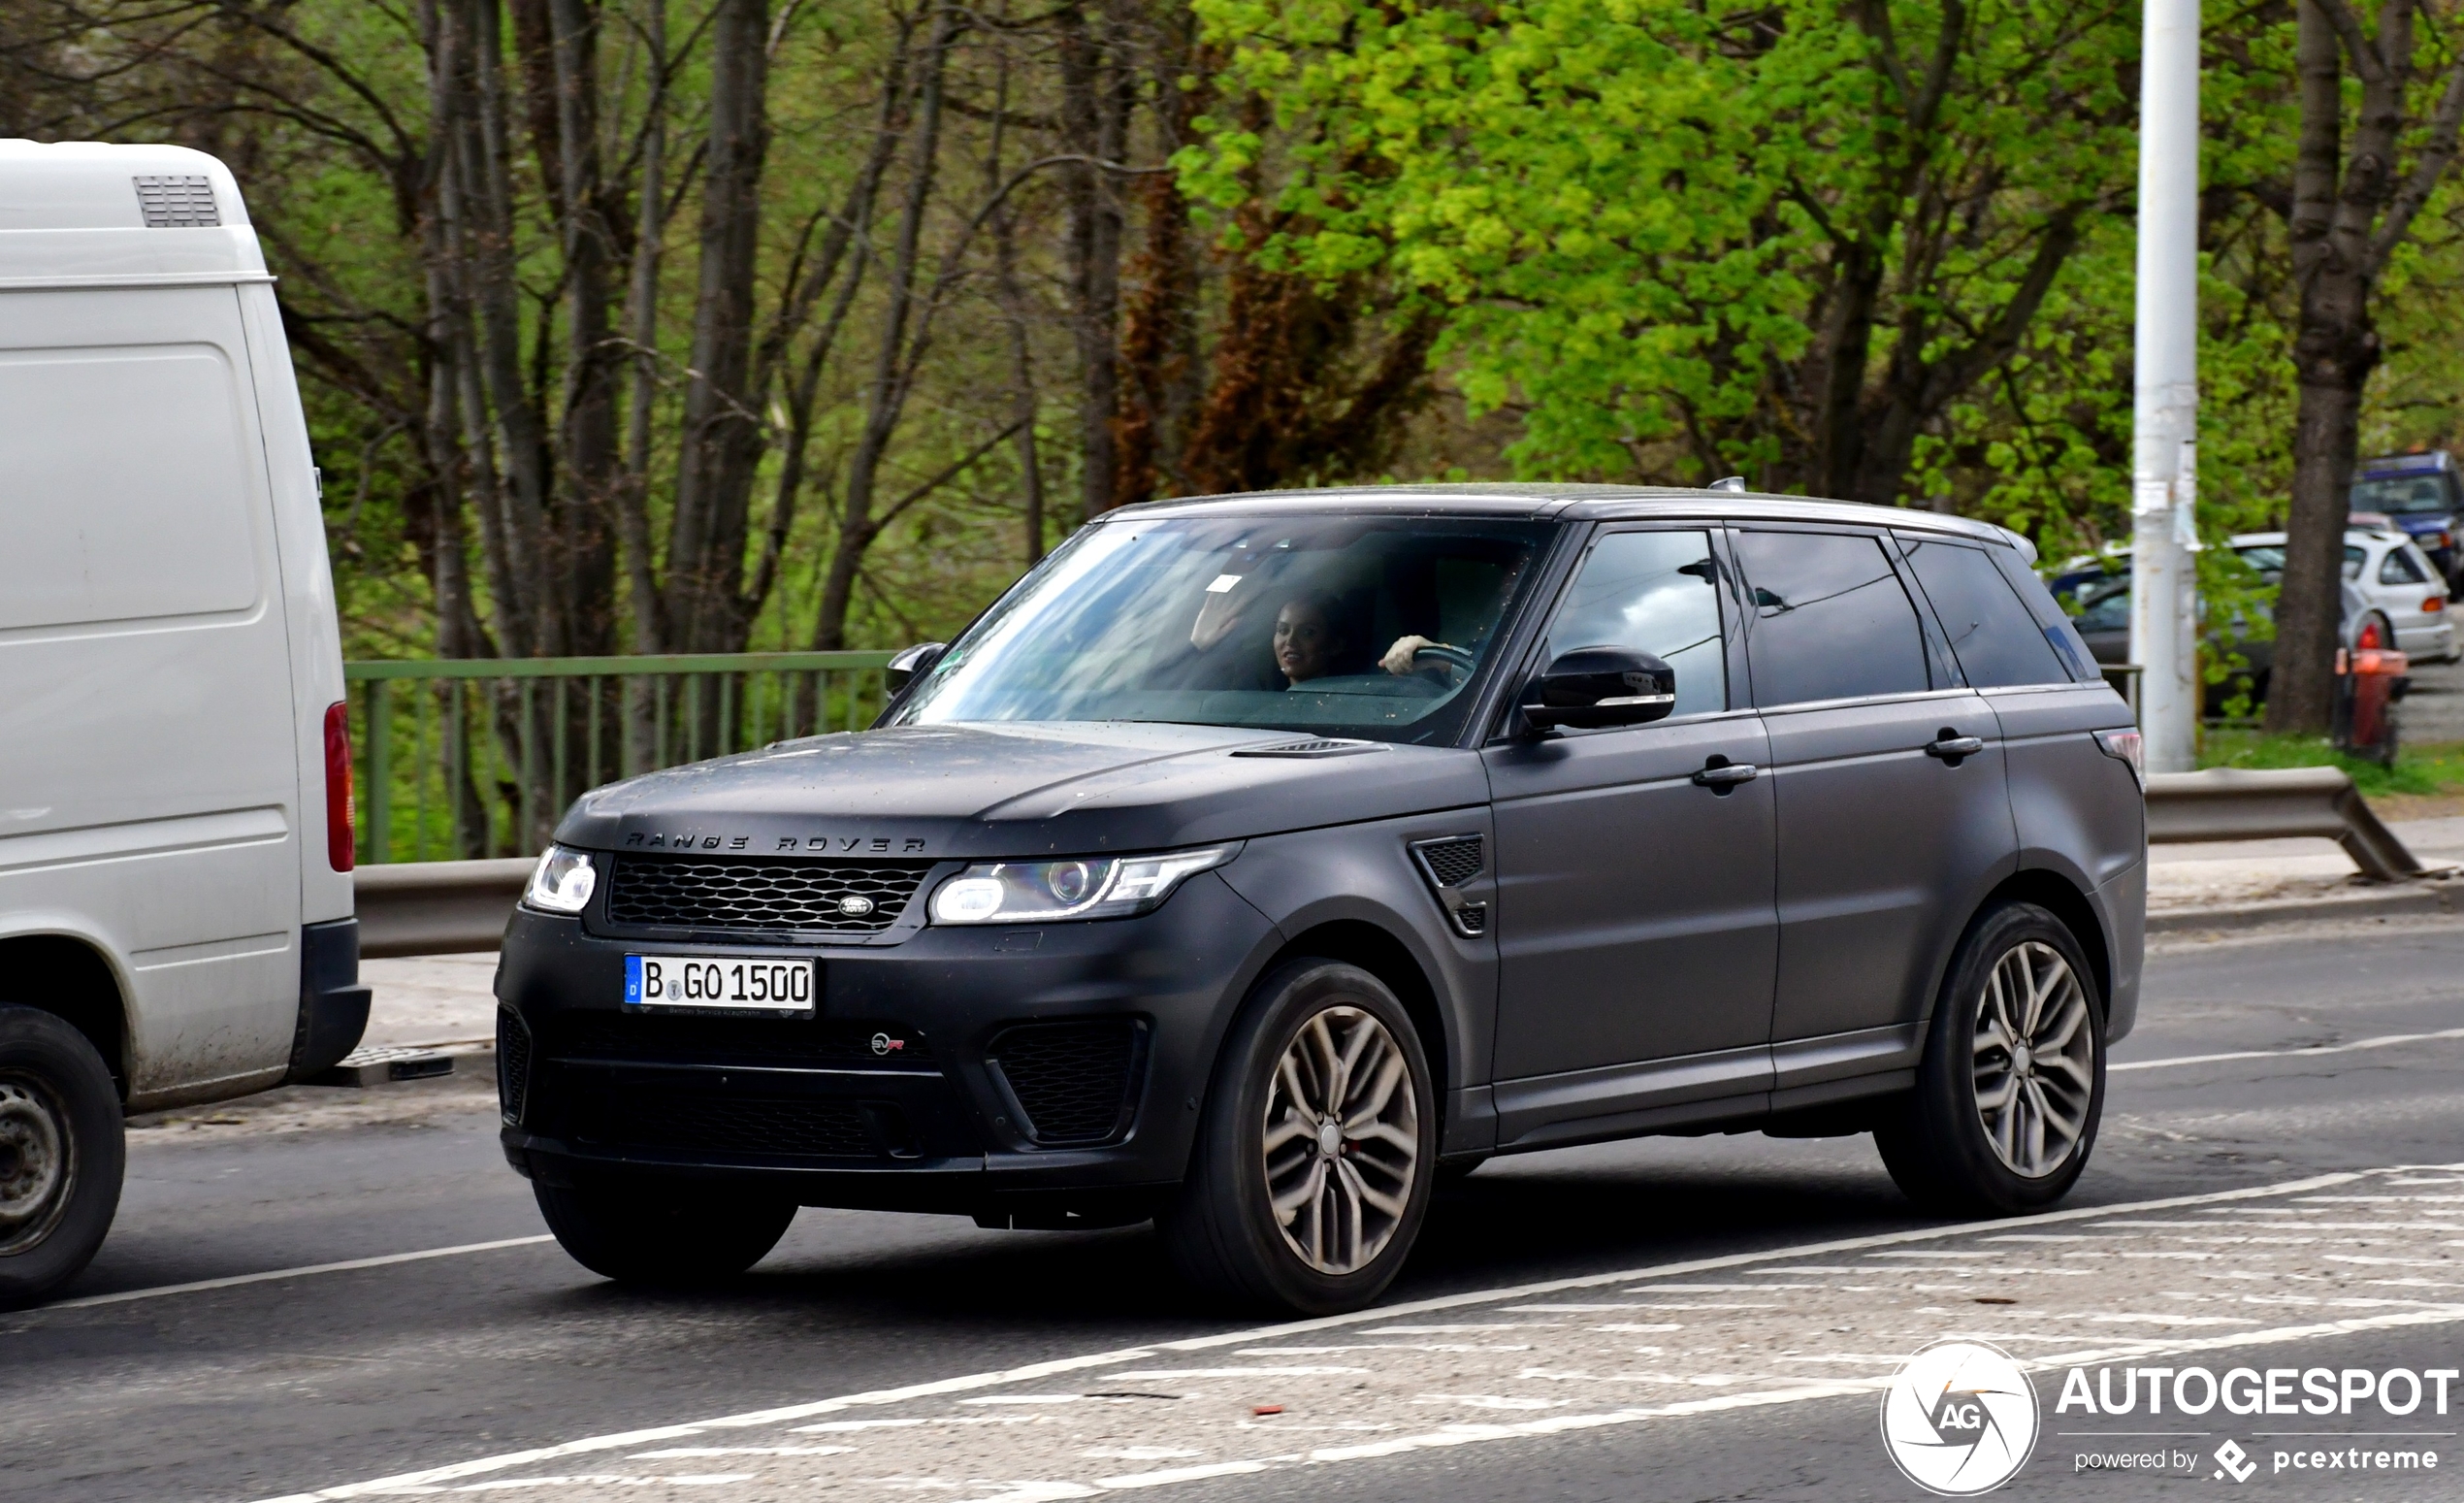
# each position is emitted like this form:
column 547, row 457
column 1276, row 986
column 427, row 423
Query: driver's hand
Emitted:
column 1399, row 657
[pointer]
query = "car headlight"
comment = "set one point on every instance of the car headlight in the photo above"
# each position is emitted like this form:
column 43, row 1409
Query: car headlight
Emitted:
column 1091, row 887
column 563, row 882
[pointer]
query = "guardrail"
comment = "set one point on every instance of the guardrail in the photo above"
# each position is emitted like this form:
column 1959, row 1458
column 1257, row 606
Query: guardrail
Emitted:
column 471, row 758
column 2232, row 804
column 449, row 907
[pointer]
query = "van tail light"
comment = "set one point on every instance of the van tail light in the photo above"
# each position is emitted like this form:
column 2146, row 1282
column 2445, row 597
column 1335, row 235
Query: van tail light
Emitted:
column 342, row 813
column 2129, row 747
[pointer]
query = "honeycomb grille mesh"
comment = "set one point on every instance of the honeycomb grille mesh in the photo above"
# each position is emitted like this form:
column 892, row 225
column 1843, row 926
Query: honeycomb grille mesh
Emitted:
column 768, row 896
column 513, row 1062
column 1453, row 862
column 1071, row 1079
column 676, row 1122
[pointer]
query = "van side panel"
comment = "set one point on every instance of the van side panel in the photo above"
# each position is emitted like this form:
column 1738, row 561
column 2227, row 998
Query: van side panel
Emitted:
column 307, row 592
column 150, row 764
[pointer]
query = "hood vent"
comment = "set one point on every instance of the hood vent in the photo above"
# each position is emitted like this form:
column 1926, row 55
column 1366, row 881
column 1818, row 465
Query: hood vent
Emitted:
column 1449, row 864
column 1322, row 747
column 178, row 203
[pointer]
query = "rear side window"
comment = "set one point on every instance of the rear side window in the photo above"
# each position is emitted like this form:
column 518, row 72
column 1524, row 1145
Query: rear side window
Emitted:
column 2060, row 634
column 2400, row 567
column 1998, row 642
column 1830, row 620
column 1658, row 593
column 125, row 494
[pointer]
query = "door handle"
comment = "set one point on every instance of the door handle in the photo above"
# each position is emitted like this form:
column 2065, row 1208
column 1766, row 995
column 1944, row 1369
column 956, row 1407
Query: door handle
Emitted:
column 1720, row 775
column 1949, row 745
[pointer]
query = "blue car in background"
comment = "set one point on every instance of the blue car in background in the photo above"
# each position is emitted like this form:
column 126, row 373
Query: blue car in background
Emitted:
column 2422, row 493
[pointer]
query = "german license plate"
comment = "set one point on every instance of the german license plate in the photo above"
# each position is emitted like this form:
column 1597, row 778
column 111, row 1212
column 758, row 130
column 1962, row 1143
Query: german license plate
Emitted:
column 751, row 984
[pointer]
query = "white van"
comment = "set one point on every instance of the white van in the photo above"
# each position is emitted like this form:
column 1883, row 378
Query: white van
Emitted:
column 176, row 837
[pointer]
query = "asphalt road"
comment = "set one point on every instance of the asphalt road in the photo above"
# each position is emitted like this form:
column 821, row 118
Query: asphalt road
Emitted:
column 279, row 1387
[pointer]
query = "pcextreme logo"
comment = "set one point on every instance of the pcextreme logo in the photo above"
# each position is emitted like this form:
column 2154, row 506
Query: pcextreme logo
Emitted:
column 1959, row 1418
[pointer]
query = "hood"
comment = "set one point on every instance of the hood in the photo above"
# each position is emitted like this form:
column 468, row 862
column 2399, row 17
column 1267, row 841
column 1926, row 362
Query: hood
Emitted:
column 1014, row 791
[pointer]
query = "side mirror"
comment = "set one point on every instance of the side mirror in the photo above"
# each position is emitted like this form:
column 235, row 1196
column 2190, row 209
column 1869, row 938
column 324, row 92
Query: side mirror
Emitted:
column 1594, row 687
column 911, row 663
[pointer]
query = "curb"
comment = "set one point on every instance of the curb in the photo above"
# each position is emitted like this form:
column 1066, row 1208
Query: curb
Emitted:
column 2406, row 899
column 384, row 1066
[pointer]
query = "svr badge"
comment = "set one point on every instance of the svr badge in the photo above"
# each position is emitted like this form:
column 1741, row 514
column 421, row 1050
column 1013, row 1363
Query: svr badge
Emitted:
column 1959, row 1418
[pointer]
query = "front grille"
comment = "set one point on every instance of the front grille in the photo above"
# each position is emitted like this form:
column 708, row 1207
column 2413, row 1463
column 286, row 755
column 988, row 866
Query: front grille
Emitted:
column 513, row 1062
column 1072, row 1080
column 751, row 1041
column 679, row 1122
column 765, row 897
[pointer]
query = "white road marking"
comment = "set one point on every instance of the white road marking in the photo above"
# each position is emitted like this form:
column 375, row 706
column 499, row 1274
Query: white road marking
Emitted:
column 2382, row 1041
column 430, row 1476
column 236, row 1279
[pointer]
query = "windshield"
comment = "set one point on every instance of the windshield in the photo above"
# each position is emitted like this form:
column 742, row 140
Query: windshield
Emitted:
column 1345, row 626
column 2408, row 495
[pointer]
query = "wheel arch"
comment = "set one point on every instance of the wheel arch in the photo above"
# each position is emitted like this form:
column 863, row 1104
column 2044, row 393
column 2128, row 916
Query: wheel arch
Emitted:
column 73, row 979
column 2052, row 892
column 1375, row 950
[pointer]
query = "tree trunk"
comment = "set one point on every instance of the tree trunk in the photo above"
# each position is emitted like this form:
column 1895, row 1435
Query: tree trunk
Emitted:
column 1094, row 121
column 591, row 470
column 722, row 438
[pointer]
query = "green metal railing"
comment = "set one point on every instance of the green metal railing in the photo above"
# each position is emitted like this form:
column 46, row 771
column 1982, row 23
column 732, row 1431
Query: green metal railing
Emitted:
column 471, row 757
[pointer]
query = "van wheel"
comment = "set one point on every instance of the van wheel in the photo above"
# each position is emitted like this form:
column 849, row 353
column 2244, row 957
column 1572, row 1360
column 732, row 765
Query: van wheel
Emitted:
column 663, row 1233
column 2013, row 1082
column 64, row 1150
column 1313, row 1163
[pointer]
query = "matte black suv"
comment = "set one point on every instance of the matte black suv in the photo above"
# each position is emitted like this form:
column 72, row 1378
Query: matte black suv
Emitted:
column 1256, row 860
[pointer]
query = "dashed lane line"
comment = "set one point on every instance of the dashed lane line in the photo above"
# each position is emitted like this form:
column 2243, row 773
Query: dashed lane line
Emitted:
column 456, row 1471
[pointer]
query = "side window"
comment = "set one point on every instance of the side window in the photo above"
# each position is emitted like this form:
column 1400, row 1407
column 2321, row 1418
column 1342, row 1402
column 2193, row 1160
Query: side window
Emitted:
column 2399, row 569
column 1657, row 593
column 1831, row 619
column 2059, row 633
column 1995, row 640
column 2354, row 558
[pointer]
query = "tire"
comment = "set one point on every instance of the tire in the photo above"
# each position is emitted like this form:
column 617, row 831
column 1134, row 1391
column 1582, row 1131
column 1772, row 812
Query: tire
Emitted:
column 1222, row 1231
column 664, row 1233
column 63, row 1152
column 1951, row 1146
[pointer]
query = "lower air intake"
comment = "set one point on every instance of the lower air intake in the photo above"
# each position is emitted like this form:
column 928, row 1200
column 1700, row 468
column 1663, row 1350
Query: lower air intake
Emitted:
column 1072, row 1080
column 513, row 1062
column 744, row 1127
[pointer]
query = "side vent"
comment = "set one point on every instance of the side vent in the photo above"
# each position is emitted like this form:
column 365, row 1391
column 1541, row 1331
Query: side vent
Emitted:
column 1322, row 747
column 513, row 1063
column 178, row 203
column 1451, row 862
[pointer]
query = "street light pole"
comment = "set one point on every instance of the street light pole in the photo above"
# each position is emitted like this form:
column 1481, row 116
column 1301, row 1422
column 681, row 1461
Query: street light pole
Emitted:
column 2164, row 416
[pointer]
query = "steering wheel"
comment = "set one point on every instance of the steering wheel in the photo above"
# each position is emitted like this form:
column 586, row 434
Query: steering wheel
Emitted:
column 1452, row 657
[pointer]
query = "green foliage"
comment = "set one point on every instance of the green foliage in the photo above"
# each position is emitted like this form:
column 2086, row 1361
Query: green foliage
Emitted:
column 2432, row 768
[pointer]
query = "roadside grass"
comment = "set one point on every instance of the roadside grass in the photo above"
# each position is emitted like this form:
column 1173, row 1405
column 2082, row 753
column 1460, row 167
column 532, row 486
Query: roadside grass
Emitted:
column 2431, row 769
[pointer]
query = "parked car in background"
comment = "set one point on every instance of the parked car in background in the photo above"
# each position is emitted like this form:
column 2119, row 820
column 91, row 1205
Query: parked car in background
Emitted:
column 1256, row 857
column 2424, row 495
column 175, row 904
column 2388, row 579
column 2392, row 575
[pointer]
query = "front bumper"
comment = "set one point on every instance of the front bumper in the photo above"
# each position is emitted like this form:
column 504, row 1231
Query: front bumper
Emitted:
column 1029, row 1076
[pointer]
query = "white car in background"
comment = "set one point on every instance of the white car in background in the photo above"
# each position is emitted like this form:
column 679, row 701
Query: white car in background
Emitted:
column 2391, row 574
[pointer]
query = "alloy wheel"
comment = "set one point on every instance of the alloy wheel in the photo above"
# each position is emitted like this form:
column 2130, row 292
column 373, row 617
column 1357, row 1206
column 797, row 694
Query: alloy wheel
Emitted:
column 2035, row 1055
column 38, row 1164
column 1341, row 1141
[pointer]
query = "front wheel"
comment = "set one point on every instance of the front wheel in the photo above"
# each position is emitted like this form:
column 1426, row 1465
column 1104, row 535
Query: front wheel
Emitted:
column 63, row 1151
column 663, row 1233
column 1313, row 1163
column 2013, row 1081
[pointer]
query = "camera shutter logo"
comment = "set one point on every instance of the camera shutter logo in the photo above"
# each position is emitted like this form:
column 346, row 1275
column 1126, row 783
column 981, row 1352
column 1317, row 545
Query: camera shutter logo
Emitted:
column 1959, row 1418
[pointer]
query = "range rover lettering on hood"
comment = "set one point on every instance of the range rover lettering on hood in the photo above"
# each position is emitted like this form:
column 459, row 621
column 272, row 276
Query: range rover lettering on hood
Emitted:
column 696, row 840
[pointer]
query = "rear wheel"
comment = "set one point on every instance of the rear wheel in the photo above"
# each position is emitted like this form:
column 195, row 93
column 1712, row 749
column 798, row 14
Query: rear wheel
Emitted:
column 1313, row 1163
column 2013, row 1081
column 663, row 1233
column 62, row 1153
